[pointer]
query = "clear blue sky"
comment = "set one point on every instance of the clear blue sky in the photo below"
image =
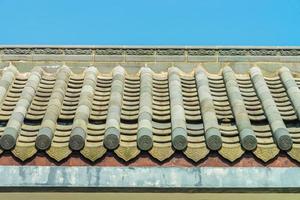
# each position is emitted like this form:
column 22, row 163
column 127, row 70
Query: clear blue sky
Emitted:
column 150, row 22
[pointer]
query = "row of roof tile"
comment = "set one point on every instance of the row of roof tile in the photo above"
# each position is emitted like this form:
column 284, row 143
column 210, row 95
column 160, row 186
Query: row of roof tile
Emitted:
column 160, row 113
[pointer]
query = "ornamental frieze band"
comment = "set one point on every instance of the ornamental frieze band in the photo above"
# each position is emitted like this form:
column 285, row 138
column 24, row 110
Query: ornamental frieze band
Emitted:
column 158, row 51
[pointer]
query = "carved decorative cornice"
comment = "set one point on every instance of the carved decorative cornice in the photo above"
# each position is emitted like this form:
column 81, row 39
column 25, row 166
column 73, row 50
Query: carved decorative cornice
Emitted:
column 202, row 52
column 78, row 51
column 157, row 51
column 109, row 51
column 170, row 52
column 290, row 52
column 140, row 51
column 21, row 51
column 51, row 51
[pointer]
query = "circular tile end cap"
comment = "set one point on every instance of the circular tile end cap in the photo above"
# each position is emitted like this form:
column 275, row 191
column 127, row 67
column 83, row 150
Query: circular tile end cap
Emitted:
column 7, row 142
column 179, row 139
column 249, row 141
column 43, row 141
column 213, row 139
column 112, row 139
column 284, row 140
column 144, row 141
column 77, row 139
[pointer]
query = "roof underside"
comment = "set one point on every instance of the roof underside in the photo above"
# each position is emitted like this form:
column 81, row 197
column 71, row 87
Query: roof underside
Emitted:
column 247, row 103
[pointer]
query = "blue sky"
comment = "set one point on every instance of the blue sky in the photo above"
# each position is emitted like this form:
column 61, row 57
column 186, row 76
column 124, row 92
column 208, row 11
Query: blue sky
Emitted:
column 150, row 22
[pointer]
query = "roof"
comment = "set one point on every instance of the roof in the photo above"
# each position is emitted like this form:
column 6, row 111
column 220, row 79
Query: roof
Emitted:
column 58, row 111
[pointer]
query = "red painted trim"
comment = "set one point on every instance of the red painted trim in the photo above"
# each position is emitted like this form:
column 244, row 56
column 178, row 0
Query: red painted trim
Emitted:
column 144, row 159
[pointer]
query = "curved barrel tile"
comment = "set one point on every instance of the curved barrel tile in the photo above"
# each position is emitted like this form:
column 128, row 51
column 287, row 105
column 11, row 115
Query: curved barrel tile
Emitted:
column 210, row 121
column 112, row 129
column 291, row 88
column 11, row 132
column 246, row 133
column 144, row 134
column 48, row 126
column 81, row 119
column 179, row 133
column 279, row 130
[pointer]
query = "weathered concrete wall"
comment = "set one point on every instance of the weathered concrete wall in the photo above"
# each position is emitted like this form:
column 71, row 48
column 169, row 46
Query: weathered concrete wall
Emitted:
column 148, row 196
column 150, row 177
